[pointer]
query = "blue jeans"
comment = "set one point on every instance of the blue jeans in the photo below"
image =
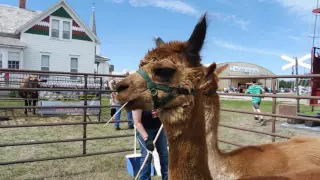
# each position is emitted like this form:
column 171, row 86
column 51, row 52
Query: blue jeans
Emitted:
column 117, row 119
column 162, row 150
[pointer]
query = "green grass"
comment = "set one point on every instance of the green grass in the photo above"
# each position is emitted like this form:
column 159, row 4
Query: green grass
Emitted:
column 266, row 106
column 96, row 167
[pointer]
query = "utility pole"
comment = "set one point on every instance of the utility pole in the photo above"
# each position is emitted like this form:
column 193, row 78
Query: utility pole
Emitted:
column 297, row 86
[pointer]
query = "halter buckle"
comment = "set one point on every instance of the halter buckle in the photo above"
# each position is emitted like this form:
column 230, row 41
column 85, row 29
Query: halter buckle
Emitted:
column 173, row 92
column 192, row 91
column 154, row 92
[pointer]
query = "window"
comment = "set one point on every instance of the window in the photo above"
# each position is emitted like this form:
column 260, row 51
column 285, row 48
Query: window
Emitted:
column 13, row 60
column 61, row 28
column 1, row 56
column 74, row 66
column 55, row 28
column 45, row 64
column 66, row 30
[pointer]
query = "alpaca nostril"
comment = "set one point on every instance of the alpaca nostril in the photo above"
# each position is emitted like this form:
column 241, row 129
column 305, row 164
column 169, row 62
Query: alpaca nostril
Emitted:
column 122, row 87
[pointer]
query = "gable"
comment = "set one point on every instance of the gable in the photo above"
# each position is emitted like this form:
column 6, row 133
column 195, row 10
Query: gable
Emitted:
column 61, row 12
column 43, row 27
column 40, row 28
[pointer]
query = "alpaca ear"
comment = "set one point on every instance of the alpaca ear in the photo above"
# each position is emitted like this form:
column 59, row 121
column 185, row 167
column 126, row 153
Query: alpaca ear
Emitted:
column 158, row 41
column 196, row 41
column 209, row 70
column 142, row 63
column 221, row 68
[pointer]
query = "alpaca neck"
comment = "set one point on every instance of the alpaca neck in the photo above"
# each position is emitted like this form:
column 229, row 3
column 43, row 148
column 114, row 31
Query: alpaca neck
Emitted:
column 187, row 144
column 212, row 116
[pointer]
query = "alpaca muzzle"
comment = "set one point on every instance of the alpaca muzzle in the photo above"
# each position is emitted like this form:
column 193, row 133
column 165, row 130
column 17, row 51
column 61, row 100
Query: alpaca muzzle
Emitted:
column 171, row 92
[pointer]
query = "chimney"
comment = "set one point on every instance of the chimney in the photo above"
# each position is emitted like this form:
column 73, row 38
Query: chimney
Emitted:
column 22, row 4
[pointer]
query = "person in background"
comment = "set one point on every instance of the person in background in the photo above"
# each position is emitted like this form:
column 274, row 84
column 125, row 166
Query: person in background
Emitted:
column 112, row 85
column 256, row 101
column 148, row 123
column 113, row 110
column 6, row 78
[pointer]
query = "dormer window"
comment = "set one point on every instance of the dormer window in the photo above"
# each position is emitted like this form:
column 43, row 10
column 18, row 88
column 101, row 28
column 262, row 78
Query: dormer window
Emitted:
column 60, row 28
column 55, row 28
column 66, row 30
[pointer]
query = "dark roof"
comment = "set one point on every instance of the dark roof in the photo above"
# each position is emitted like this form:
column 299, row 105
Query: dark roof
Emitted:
column 11, row 18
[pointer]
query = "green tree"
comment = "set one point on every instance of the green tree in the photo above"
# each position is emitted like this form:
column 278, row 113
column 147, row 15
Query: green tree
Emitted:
column 285, row 84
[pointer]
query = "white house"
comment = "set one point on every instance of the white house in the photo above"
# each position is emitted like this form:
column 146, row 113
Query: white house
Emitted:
column 52, row 40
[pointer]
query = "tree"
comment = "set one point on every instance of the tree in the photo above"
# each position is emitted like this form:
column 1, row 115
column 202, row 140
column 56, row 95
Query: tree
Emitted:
column 286, row 84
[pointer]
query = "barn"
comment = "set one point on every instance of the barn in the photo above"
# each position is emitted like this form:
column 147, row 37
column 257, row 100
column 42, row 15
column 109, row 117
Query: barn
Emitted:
column 243, row 69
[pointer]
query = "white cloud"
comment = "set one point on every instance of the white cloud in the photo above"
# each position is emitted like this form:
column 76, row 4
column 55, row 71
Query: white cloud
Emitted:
column 118, row 1
column 302, row 8
column 233, row 19
column 182, row 7
column 295, row 38
column 123, row 72
column 172, row 5
column 236, row 47
column 298, row 5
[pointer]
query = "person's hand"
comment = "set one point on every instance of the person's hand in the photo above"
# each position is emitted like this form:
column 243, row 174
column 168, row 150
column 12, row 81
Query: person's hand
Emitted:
column 149, row 144
column 113, row 94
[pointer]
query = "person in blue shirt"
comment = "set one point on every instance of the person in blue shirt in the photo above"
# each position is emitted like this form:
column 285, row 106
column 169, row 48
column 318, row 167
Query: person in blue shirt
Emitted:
column 256, row 101
column 148, row 125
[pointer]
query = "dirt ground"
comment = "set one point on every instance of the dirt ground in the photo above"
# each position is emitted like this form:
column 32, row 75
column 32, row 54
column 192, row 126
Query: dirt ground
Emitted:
column 101, row 167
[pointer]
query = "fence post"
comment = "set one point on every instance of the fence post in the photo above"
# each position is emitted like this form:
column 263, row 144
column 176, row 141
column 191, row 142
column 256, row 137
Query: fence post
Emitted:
column 100, row 98
column 85, row 103
column 274, row 108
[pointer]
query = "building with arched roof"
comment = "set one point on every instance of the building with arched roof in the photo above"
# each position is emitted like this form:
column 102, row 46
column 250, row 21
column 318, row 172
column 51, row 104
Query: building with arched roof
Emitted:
column 243, row 69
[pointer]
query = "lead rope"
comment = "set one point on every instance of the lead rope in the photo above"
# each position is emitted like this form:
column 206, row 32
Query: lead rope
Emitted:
column 148, row 152
column 116, row 113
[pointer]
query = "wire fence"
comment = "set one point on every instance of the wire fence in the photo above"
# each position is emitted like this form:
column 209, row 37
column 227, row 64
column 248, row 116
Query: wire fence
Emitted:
column 85, row 96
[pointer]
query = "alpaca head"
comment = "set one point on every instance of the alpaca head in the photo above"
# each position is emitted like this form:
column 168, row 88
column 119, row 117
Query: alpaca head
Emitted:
column 31, row 81
column 168, row 75
column 210, row 83
column 211, row 78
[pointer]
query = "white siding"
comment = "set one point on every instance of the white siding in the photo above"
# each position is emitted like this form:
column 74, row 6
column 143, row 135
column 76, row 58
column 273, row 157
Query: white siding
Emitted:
column 60, row 52
column 5, row 51
column 98, row 49
column 103, row 69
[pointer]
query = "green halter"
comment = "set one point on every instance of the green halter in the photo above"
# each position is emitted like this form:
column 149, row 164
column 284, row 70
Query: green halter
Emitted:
column 171, row 91
column 211, row 92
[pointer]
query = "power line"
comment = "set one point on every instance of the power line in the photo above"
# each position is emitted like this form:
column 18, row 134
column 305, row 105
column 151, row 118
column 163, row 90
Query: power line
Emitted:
column 315, row 25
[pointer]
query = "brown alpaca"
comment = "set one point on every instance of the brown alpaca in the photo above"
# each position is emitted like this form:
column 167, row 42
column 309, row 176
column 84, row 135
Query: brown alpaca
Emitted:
column 261, row 160
column 30, row 82
column 267, row 159
column 175, row 67
column 304, row 174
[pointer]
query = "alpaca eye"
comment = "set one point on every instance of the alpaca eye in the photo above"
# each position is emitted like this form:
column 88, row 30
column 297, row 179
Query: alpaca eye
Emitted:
column 165, row 74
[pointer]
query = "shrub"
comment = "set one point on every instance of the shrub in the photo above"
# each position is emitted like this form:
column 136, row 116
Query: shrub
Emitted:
column 12, row 94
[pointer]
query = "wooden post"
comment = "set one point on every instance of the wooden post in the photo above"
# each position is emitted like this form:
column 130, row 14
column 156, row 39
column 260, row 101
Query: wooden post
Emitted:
column 274, row 108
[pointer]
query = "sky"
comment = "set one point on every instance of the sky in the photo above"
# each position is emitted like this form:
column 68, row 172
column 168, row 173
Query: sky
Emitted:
column 254, row 31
